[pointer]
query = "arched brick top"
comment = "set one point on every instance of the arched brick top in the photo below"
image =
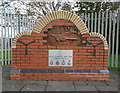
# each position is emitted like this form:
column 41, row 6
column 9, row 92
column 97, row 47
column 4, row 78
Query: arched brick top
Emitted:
column 94, row 34
column 18, row 36
column 48, row 18
column 61, row 15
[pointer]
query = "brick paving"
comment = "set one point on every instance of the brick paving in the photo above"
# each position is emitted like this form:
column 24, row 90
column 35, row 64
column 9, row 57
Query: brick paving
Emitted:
column 32, row 85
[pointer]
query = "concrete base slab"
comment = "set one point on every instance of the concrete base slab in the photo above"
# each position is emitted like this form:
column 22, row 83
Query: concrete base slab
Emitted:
column 60, row 83
column 33, row 88
column 34, row 85
column 79, row 83
column 96, row 83
column 12, row 86
column 60, row 86
column 107, row 88
column 112, row 83
column 29, row 82
column 86, row 88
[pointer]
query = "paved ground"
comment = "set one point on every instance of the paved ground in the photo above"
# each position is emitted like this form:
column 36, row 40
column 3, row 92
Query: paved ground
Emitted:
column 28, row 85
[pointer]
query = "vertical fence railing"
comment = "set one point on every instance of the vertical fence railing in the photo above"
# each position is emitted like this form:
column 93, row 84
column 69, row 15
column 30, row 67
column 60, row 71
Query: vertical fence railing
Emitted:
column 105, row 23
column 109, row 43
column 11, row 25
column 117, row 39
column 1, row 54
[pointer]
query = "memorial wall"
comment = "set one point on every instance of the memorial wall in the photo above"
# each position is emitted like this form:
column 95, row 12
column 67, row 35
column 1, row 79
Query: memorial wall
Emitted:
column 60, row 47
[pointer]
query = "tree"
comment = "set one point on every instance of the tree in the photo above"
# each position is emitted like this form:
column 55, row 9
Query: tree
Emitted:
column 36, row 8
column 42, row 8
column 88, row 7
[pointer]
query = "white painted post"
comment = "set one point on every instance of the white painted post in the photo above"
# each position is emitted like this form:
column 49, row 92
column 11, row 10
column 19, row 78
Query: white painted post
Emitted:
column 27, row 22
column 22, row 20
column 113, row 40
column 16, row 16
column 109, row 45
column 19, row 23
column 2, row 38
column 88, row 21
column 106, row 24
column 30, row 24
column 92, row 22
column 5, row 50
column 85, row 18
column 8, row 42
column 11, row 19
column 95, row 22
column 14, row 25
column 102, row 23
column 117, row 38
column 99, row 14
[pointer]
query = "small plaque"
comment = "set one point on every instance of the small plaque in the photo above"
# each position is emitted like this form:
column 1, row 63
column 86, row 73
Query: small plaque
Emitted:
column 60, row 58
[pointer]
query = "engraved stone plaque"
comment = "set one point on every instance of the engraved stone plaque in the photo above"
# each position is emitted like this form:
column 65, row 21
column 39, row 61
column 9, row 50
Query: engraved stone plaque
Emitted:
column 60, row 58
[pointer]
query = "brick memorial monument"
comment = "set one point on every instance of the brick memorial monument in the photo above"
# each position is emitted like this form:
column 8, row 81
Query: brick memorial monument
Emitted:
column 59, row 47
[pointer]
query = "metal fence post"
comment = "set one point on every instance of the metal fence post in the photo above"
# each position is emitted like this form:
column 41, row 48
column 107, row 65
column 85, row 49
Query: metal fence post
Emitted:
column 117, row 39
column 109, row 40
column 18, row 23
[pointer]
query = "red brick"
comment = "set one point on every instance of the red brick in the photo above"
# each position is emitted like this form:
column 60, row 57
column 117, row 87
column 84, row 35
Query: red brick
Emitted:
column 25, row 58
column 90, row 38
column 92, row 74
column 23, row 37
column 42, row 46
column 42, row 35
column 39, row 38
column 39, row 44
column 29, row 74
column 20, row 49
column 43, row 41
column 86, row 35
column 61, row 47
column 51, row 47
column 98, row 39
column 84, row 74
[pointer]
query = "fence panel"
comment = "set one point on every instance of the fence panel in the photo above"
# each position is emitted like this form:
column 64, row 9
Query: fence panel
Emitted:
column 105, row 23
column 11, row 25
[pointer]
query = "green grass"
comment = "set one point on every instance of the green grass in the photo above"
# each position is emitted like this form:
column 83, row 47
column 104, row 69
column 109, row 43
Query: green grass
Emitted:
column 5, row 47
column 115, row 57
column 5, row 54
column 5, row 57
column 0, row 57
column 114, row 64
column 115, row 68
